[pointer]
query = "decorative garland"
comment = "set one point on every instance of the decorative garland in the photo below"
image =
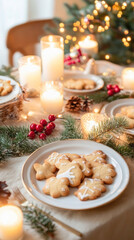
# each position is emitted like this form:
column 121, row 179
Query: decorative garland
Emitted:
column 14, row 141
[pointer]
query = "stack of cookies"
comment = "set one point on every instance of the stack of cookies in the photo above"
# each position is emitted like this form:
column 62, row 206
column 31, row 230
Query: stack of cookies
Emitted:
column 128, row 114
column 89, row 173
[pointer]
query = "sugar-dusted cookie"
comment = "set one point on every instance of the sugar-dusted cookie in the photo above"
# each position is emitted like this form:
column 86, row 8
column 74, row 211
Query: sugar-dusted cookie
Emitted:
column 96, row 158
column 105, row 172
column 58, row 159
column 6, row 88
column 73, row 172
column 44, row 171
column 85, row 166
column 90, row 189
column 56, row 187
column 72, row 156
column 129, row 120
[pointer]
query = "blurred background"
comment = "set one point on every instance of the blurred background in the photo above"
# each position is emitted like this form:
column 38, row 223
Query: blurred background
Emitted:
column 14, row 12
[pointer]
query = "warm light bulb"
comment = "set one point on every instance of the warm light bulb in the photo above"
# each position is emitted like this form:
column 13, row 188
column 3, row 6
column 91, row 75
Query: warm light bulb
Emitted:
column 126, row 32
column 61, row 25
column 123, row 39
column 75, row 29
column 95, row 12
column 128, row 38
column 74, row 39
column 62, row 30
column 66, row 41
column 69, row 37
column 107, row 56
column 107, row 18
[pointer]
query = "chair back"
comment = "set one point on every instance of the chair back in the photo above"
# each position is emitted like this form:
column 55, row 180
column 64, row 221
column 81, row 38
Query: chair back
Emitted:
column 23, row 38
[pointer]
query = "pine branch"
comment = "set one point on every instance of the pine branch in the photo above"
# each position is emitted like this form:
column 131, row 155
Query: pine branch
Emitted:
column 6, row 71
column 38, row 221
column 71, row 128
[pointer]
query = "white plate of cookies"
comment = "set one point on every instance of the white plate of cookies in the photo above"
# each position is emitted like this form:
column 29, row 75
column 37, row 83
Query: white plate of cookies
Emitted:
column 81, row 84
column 9, row 89
column 122, row 108
column 75, row 174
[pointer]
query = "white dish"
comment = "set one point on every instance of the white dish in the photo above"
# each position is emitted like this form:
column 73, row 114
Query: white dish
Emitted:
column 34, row 187
column 99, row 83
column 16, row 90
column 114, row 107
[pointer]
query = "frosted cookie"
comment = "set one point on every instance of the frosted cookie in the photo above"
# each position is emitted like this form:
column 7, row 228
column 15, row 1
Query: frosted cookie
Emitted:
column 57, row 159
column 44, row 171
column 129, row 120
column 73, row 172
column 105, row 172
column 95, row 158
column 5, row 88
column 56, row 187
column 85, row 166
column 90, row 189
column 72, row 156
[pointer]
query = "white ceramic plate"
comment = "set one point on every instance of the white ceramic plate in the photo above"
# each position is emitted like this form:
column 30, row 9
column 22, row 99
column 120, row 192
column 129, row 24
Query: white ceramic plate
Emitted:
column 114, row 107
column 99, row 83
column 13, row 94
column 34, row 187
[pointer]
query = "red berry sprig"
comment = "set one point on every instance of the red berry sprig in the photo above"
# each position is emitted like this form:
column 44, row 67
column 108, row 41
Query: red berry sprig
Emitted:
column 43, row 129
column 112, row 89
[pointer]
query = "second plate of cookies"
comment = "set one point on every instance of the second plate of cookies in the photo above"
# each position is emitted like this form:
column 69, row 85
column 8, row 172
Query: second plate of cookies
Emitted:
column 122, row 108
column 75, row 174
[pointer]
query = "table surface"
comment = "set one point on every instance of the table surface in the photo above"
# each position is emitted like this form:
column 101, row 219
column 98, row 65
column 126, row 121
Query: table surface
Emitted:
column 112, row 221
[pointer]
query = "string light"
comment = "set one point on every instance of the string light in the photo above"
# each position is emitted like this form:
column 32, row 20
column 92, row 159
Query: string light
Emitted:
column 69, row 37
column 98, row 5
column 95, row 12
column 82, row 30
column 91, row 26
column 66, row 41
column 75, row 29
column 61, row 25
column 62, row 30
column 123, row 39
column 126, row 32
column 126, row 44
column 119, row 15
column 74, row 39
column 107, row 18
column 107, row 56
column 132, row 3
column 128, row 38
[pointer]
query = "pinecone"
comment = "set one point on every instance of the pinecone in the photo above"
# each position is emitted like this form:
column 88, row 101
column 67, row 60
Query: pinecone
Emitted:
column 74, row 104
column 86, row 105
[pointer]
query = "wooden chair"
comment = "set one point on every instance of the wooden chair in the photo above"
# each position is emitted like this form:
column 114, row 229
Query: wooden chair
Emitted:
column 22, row 38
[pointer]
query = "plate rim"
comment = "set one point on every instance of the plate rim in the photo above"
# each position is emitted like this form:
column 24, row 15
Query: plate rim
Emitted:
column 87, row 208
column 87, row 90
column 129, row 131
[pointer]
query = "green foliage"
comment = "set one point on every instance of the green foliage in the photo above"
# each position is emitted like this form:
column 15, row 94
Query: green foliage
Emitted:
column 71, row 128
column 6, row 71
column 39, row 221
column 110, row 41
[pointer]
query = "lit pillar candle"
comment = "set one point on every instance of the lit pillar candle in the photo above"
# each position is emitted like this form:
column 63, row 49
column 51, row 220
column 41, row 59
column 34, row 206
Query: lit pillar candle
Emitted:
column 30, row 73
column 52, row 57
column 88, row 46
column 11, row 223
column 52, row 97
column 128, row 78
column 90, row 121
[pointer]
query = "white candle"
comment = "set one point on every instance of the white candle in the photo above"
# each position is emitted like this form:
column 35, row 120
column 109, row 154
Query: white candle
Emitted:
column 128, row 78
column 30, row 72
column 88, row 46
column 11, row 223
column 52, row 99
column 52, row 57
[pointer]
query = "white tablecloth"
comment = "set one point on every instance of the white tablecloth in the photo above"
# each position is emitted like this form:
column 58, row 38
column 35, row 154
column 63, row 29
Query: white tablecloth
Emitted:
column 113, row 221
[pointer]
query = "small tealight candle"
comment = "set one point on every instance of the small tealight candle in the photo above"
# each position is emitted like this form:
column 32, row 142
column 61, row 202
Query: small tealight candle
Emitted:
column 30, row 73
column 52, row 53
column 128, row 78
column 89, row 121
column 89, row 46
column 52, row 97
column 11, row 223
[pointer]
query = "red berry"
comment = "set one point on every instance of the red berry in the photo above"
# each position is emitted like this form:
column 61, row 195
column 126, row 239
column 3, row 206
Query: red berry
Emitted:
column 42, row 136
column 109, row 86
column 115, row 86
column 48, row 131
column 33, row 127
column 117, row 89
column 50, row 125
column 110, row 92
column 39, row 128
column 31, row 135
column 51, row 117
column 43, row 122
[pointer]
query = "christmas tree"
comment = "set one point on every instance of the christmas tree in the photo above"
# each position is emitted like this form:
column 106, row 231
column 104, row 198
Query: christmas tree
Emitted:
column 110, row 22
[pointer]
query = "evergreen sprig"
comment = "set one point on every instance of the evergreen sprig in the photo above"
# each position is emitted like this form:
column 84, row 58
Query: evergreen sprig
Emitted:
column 6, row 71
column 39, row 221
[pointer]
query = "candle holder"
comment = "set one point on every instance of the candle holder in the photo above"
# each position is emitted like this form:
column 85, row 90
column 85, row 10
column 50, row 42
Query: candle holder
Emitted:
column 52, row 97
column 30, row 74
column 128, row 78
column 11, row 223
column 89, row 121
column 52, row 52
column 89, row 46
